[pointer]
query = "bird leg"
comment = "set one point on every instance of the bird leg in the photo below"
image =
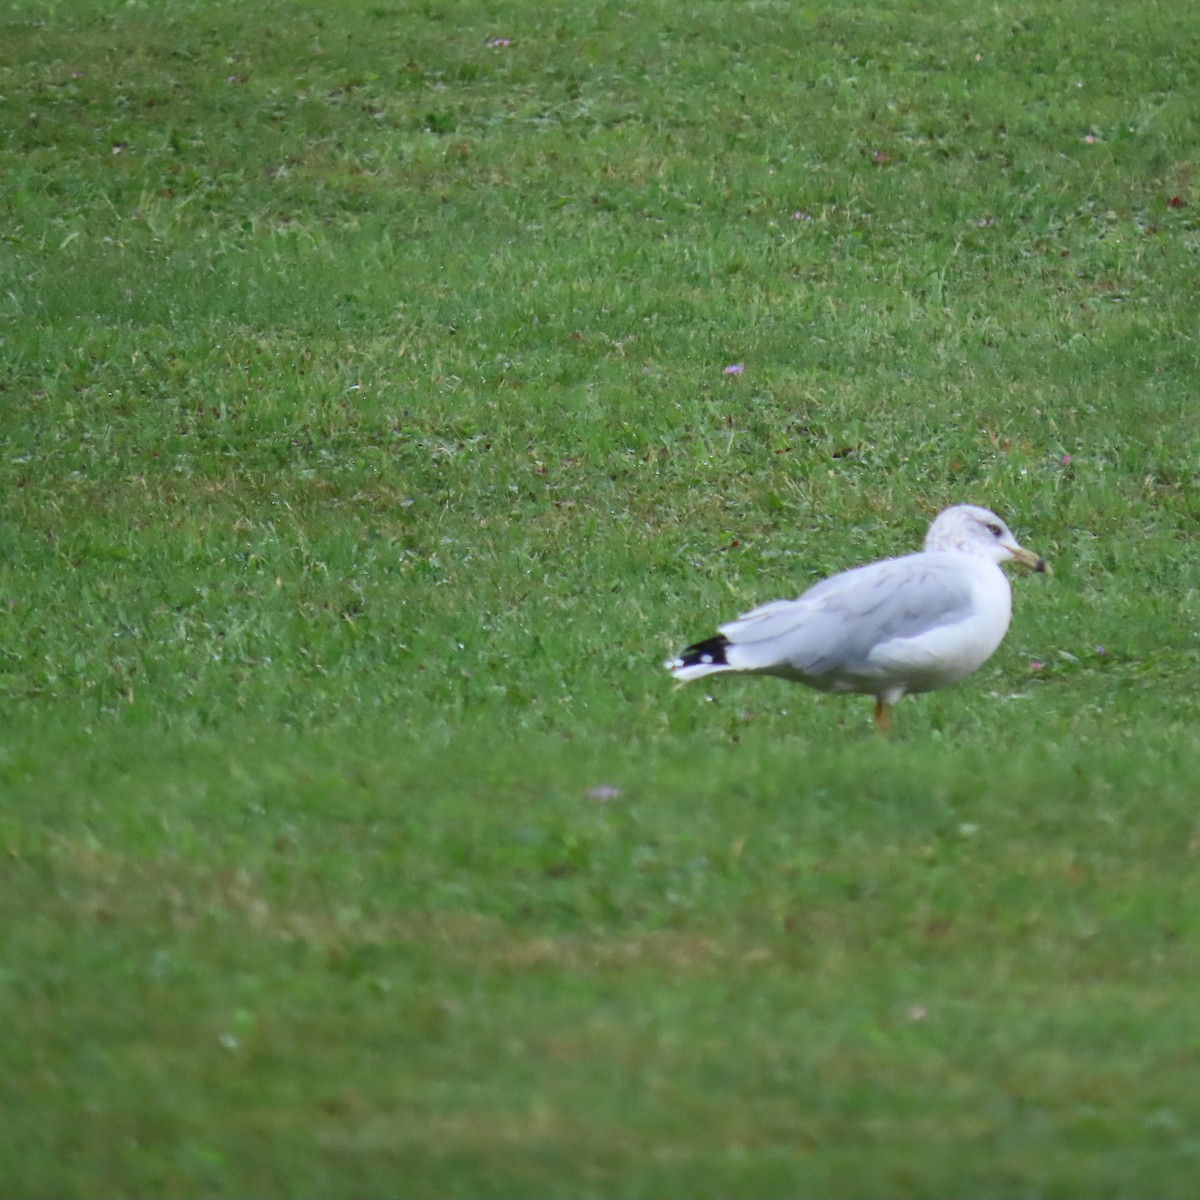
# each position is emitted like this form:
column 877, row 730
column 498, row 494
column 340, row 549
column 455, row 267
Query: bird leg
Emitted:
column 883, row 715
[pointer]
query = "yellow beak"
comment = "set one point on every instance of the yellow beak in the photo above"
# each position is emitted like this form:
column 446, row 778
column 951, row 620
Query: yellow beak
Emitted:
column 1035, row 562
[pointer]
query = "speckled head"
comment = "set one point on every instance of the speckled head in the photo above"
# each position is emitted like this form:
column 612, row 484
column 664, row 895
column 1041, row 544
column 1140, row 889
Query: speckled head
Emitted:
column 971, row 530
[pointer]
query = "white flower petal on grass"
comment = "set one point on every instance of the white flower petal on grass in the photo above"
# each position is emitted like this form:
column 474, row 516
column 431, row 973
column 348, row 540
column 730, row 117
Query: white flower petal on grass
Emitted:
column 902, row 625
column 604, row 793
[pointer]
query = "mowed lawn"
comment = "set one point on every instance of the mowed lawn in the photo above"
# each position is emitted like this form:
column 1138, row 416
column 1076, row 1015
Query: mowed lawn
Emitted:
column 367, row 442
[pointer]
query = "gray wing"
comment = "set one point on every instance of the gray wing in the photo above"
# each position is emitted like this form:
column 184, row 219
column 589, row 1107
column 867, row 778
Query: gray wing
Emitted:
column 835, row 625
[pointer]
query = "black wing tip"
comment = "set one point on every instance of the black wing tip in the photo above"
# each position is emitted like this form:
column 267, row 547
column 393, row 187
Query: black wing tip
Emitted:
column 708, row 653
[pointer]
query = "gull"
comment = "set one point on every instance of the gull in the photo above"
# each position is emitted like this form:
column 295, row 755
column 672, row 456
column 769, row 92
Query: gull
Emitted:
column 910, row 624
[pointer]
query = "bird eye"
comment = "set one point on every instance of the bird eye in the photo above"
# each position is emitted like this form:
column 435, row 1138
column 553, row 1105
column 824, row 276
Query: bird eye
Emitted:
column 994, row 530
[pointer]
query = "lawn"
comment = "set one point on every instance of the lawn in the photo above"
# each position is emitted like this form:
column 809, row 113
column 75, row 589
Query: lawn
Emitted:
column 367, row 443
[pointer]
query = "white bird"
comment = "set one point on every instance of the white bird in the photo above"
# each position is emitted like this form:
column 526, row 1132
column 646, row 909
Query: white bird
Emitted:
column 900, row 625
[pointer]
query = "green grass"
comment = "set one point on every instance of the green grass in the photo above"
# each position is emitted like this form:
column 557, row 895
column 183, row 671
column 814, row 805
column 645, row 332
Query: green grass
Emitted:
column 365, row 446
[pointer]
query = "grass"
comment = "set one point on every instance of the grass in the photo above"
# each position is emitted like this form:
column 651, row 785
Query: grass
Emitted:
column 366, row 447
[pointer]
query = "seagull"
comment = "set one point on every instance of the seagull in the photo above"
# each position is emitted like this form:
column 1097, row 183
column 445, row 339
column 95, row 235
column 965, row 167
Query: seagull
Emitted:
column 910, row 624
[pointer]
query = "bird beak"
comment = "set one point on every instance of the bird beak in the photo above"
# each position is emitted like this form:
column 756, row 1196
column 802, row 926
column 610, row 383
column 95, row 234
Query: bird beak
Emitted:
column 1027, row 558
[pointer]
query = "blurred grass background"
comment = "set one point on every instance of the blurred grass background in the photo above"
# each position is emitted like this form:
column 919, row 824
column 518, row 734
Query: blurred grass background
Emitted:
column 367, row 444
